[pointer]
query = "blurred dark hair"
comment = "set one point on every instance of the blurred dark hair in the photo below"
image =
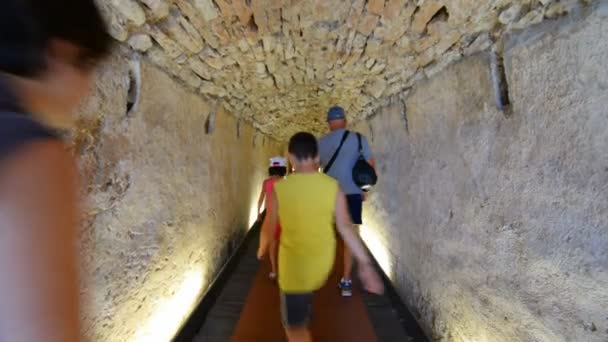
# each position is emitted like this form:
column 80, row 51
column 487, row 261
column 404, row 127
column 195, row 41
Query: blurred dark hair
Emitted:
column 27, row 27
column 303, row 146
column 277, row 171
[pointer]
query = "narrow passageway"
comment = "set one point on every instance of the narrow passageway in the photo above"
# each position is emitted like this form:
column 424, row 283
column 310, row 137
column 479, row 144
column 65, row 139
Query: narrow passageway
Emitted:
column 487, row 121
column 248, row 309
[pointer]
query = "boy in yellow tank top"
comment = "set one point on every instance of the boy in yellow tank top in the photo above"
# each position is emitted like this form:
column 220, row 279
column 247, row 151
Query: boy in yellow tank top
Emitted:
column 309, row 203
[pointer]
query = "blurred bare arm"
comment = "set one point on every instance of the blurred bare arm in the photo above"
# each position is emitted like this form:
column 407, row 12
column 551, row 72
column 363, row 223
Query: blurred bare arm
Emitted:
column 344, row 224
column 372, row 162
column 272, row 211
column 38, row 257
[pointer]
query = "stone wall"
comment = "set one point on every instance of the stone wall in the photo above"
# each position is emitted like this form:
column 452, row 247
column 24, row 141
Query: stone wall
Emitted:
column 170, row 187
column 494, row 225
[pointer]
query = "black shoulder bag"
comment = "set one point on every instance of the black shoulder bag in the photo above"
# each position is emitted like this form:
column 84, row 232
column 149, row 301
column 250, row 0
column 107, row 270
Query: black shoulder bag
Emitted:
column 333, row 158
column 364, row 174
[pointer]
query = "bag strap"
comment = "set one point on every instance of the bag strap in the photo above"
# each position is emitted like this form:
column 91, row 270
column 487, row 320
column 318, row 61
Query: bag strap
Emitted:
column 360, row 145
column 333, row 158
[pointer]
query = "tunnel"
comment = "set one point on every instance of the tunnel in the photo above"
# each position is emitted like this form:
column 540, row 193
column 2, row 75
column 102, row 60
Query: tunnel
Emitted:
column 488, row 124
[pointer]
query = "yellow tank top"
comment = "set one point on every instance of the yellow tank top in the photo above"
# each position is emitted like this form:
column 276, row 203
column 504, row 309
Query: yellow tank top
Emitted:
column 307, row 248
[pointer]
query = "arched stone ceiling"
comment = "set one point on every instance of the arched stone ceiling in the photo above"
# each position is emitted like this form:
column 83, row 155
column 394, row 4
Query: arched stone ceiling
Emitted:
column 281, row 63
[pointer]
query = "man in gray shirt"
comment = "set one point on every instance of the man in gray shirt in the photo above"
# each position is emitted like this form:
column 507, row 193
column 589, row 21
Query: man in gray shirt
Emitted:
column 341, row 170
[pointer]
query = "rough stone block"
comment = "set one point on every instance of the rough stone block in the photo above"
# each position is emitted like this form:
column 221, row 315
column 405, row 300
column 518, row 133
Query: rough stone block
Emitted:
column 200, row 68
column 355, row 13
column 131, row 10
column 368, row 24
column 424, row 15
column 556, row 10
column 207, row 9
column 510, row 15
column 377, row 88
column 156, row 9
column 225, row 8
column 445, row 60
column 219, row 30
column 180, row 30
column 446, row 42
column 425, row 58
column 378, row 68
column 393, row 8
column 242, row 11
column 425, row 43
column 171, row 48
column 159, row 58
column 261, row 18
column 117, row 24
column 190, row 78
column 375, row 6
column 274, row 20
column 480, row 43
column 211, row 89
column 140, row 42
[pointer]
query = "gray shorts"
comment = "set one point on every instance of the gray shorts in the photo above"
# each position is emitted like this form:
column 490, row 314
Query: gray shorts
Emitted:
column 296, row 309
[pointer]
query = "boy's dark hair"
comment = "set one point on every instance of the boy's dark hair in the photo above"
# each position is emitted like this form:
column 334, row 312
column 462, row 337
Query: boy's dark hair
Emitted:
column 27, row 27
column 303, row 146
column 277, row 171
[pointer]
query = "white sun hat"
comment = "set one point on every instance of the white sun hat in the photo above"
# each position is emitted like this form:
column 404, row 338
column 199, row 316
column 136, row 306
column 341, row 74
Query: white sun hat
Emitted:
column 278, row 162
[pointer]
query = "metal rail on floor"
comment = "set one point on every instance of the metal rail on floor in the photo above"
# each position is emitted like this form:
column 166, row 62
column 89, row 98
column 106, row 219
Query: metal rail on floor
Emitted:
column 375, row 304
column 408, row 322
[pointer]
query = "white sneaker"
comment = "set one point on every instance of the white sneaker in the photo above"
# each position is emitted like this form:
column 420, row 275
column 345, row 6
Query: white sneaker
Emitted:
column 346, row 286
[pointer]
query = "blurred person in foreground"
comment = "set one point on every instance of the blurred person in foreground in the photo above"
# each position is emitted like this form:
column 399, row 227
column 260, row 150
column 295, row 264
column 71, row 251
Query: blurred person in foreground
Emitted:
column 48, row 49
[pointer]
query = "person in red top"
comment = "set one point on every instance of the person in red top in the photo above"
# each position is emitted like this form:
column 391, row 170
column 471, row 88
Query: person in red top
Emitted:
column 269, row 236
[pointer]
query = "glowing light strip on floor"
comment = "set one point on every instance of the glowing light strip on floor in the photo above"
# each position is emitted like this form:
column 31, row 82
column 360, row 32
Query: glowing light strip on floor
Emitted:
column 378, row 249
column 171, row 311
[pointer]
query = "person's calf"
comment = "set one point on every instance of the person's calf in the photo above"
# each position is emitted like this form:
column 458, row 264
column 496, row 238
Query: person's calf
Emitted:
column 298, row 334
column 348, row 264
column 273, row 257
column 296, row 312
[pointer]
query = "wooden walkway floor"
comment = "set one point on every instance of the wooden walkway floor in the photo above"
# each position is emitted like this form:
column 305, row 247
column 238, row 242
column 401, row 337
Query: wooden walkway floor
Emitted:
column 247, row 310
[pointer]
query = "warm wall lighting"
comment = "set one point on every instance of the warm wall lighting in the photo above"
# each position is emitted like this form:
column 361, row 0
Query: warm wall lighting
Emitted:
column 254, row 195
column 172, row 311
column 378, row 249
column 253, row 210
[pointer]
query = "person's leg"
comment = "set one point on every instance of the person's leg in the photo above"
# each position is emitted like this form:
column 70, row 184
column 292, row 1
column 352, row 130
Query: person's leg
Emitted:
column 296, row 310
column 298, row 334
column 355, row 207
column 262, row 246
column 273, row 258
column 274, row 252
column 346, row 283
column 348, row 264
